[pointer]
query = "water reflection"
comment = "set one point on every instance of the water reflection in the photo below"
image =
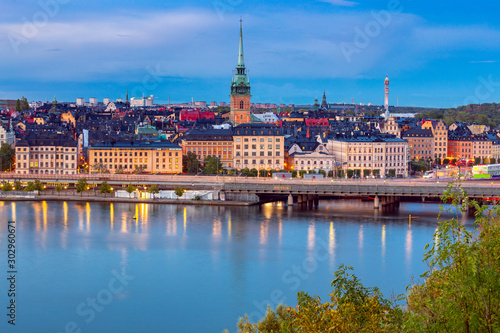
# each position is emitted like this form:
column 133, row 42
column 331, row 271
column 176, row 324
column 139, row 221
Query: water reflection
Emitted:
column 13, row 211
column 111, row 216
column 408, row 247
column 383, row 241
column 311, row 237
column 331, row 245
column 360, row 237
column 264, row 229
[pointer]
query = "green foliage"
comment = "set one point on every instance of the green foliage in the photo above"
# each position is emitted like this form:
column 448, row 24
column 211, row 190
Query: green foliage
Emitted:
column 486, row 160
column 179, row 191
column 263, row 173
column 212, row 165
column 454, row 161
column 190, row 163
column 24, row 105
column 30, row 187
column 7, row 187
column 18, row 106
column 461, row 292
column 59, row 188
column 105, row 188
column 376, row 172
column 493, row 160
column 302, row 173
column 245, row 172
column 366, row 173
column 294, row 173
column 477, row 160
column 140, row 169
column 38, row 185
column 253, row 173
column 7, row 156
column 18, row 186
column 322, row 172
column 357, row 172
column 350, row 173
column 446, row 161
column 153, row 189
column 340, row 173
column 438, row 160
column 392, row 173
column 420, row 165
column 130, row 188
column 483, row 114
column 81, row 185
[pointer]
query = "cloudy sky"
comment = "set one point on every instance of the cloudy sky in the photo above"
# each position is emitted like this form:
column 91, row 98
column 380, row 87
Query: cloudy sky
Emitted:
column 436, row 54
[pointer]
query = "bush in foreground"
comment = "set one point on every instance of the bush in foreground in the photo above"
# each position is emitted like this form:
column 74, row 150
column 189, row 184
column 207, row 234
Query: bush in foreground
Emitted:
column 461, row 291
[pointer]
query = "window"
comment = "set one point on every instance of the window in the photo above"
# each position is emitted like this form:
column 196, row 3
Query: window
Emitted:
column 241, row 104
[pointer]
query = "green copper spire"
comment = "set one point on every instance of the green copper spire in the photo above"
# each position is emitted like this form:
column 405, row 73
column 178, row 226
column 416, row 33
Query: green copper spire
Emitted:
column 241, row 61
column 240, row 84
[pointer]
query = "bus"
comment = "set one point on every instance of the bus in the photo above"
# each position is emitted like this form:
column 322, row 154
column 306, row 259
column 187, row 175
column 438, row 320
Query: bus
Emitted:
column 486, row 171
column 429, row 174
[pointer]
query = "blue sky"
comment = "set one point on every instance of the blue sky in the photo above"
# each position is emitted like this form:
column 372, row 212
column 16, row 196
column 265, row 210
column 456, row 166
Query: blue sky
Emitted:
column 437, row 54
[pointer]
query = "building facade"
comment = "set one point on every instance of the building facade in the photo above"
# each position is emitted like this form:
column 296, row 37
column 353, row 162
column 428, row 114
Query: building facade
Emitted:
column 128, row 157
column 420, row 143
column 371, row 152
column 440, row 134
column 259, row 146
column 53, row 154
column 204, row 143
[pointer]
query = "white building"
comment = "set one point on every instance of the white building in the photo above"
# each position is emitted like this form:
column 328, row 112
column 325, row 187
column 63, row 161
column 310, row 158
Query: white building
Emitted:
column 6, row 136
column 80, row 101
column 93, row 101
column 106, row 101
column 142, row 101
column 268, row 117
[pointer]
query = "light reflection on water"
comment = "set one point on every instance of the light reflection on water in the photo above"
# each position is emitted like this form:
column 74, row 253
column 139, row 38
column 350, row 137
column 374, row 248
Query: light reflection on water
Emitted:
column 198, row 268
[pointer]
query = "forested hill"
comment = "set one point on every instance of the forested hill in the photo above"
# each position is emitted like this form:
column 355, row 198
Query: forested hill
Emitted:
column 484, row 114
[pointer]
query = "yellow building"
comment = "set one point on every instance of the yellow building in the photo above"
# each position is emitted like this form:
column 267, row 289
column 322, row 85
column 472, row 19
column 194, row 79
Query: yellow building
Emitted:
column 259, row 146
column 127, row 157
column 440, row 134
column 211, row 142
column 46, row 155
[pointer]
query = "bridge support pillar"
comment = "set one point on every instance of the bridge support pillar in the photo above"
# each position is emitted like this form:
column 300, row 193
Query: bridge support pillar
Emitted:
column 299, row 199
column 376, row 202
column 290, row 200
column 423, row 199
column 310, row 201
column 316, row 200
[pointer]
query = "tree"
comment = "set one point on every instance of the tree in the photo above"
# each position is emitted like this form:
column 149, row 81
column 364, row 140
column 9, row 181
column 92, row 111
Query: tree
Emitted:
column 25, row 106
column 446, row 161
column 59, row 188
column 18, row 106
column 212, row 165
column 100, row 168
column 322, row 172
column 179, row 191
column 139, row 169
column 486, row 160
column 294, row 173
column 30, row 187
column 493, row 160
column 18, row 186
column 438, row 160
column 245, row 172
column 302, row 173
column 263, row 173
column 366, row 173
column 105, row 188
column 461, row 291
column 153, row 189
column 454, row 161
column 340, row 173
column 130, row 188
column 350, row 173
column 38, row 185
column 7, row 155
column 376, row 172
column 7, row 187
column 81, row 186
column 392, row 173
column 190, row 163
column 253, row 173
column 477, row 160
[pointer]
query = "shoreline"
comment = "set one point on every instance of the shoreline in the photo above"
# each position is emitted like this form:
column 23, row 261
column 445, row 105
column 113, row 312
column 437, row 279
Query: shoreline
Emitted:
column 130, row 200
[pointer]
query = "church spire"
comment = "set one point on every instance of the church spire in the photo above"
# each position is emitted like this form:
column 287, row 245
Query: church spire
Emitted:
column 241, row 61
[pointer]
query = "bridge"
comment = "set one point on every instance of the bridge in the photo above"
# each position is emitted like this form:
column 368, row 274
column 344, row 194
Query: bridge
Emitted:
column 301, row 191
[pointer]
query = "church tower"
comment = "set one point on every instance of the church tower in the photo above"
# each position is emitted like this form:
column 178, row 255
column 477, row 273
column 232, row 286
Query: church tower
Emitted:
column 386, row 100
column 240, row 90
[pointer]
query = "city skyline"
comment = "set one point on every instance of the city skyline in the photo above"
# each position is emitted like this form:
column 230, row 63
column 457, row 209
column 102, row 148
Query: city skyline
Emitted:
column 435, row 56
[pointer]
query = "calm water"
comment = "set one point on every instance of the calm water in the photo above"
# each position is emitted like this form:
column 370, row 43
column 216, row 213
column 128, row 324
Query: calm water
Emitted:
column 195, row 269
